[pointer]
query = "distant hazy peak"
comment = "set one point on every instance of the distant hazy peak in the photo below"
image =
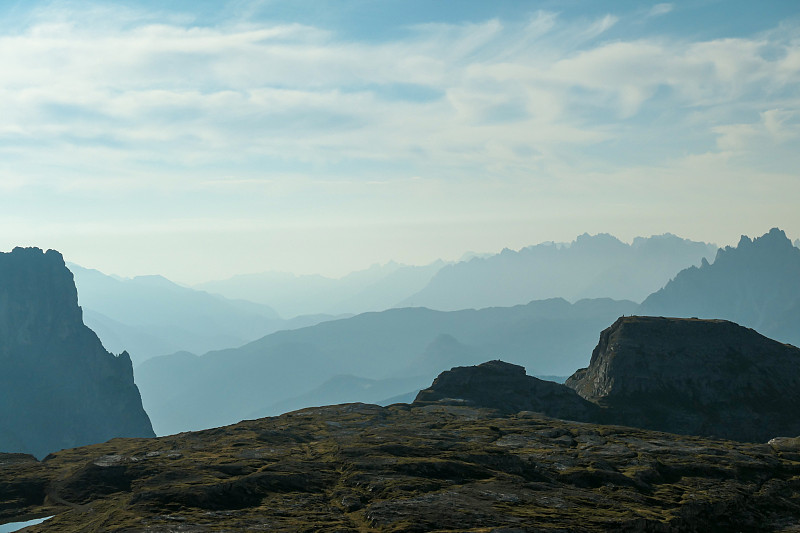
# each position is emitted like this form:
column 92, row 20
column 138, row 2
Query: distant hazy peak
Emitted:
column 470, row 255
column 755, row 284
column 775, row 236
column 774, row 241
column 603, row 239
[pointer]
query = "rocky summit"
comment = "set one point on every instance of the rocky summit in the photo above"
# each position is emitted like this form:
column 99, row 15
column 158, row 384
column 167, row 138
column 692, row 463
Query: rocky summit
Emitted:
column 59, row 387
column 690, row 376
column 507, row 388
column 445, row 468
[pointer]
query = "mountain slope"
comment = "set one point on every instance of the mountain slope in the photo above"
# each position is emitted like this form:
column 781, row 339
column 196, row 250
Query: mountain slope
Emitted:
column 590, row 267
column 548, row 337
column 756, row 284
column 59, row 387
column 150, row 315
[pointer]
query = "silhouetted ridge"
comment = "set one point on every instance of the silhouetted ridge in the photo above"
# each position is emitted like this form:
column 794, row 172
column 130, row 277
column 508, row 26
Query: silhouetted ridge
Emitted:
column 688, row 376
column 592, row 266
column 59, row 387
column 507, row 388
column 756, row 284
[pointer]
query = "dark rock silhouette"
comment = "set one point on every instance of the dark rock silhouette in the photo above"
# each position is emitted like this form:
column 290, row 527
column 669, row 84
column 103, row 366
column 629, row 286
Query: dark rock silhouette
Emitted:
column 756, row 284
column 59, row 387
column 708, row 378
column 691, row 376
column 507, row 388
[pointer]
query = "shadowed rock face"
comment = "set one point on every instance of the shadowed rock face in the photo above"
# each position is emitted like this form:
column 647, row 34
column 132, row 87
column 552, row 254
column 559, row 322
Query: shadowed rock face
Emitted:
column 59, row 387
column 507, row 388
column 690, row 376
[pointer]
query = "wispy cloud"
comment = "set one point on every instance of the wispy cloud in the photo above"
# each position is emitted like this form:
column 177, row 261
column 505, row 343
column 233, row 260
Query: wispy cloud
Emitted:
column 111, row 100
column 660, row 9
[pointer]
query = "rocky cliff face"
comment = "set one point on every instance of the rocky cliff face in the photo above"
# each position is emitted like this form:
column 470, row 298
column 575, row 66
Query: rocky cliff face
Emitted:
column 59, row 387
column 507, row 388
column 690, row 376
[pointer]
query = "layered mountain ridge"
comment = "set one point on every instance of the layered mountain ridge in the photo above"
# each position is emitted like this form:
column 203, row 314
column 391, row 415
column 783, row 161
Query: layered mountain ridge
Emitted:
column 592, row 266
column 546, row 337
column 755, row 284
column 711, row 378
column 148, row 316
column 185, row 392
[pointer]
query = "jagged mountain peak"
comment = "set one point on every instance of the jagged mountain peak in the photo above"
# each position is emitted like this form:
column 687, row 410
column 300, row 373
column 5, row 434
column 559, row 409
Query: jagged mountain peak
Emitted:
column 591, row 266
column 58, row 386
column 756, row 284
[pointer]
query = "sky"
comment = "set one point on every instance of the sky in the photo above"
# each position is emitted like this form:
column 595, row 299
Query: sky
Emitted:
column 202, row 139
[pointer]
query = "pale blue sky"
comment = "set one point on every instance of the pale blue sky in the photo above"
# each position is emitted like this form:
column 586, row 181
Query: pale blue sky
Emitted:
column 205, row 139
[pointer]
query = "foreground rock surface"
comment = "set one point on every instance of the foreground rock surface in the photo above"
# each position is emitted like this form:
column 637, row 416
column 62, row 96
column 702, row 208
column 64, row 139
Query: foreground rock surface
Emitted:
column 59, row 387
column 698, row 377
column 357, row 468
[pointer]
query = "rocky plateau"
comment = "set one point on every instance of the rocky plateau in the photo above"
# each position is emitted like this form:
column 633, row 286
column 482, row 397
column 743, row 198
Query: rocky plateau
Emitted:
column 406, row 468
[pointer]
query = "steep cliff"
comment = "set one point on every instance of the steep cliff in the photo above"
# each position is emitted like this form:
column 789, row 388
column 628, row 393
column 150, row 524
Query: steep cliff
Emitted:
column 691, row 376
column 59, row 387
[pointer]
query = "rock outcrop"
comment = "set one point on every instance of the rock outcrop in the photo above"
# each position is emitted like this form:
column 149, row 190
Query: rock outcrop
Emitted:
column 59, row 387
column 508, row 389
column 690, row 376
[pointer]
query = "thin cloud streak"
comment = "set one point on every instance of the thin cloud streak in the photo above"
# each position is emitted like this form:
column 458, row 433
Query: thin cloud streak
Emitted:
column 494, row 117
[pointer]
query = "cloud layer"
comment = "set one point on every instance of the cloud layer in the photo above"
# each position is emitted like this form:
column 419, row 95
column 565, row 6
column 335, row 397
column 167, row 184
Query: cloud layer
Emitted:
column 444, row 121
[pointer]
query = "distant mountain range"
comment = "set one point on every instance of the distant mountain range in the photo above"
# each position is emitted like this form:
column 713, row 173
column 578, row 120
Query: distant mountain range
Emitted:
column 377, row 288
column 756, row 284
column 151, row 315
column 183, row 391
column 592, row 266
